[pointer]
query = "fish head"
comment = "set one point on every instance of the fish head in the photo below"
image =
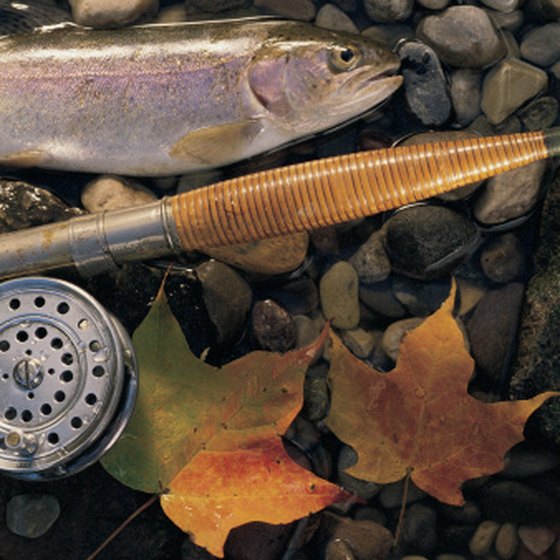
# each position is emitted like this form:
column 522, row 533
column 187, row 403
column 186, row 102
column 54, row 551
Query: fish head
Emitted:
column 309, row 79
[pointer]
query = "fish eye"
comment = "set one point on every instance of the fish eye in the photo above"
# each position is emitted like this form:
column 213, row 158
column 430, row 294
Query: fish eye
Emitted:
column 343, row 58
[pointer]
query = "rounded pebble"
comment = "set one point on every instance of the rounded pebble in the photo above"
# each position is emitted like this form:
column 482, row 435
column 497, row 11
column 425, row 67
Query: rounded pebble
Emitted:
column 338, row 291
column 31, row 515
column 540, row 113
column 303, row 10
column 332, row 17
column 503, row 259
column 462, row 36
column 419, row 530
column 541, row 45
column 389, row 34
column 537, row 539
column 393, row 335
column 392, row 494
column 112, row 193
column 107, row 13
column 421, row 298
column 370, row 260
column 483, row 538
column 361, row 342
column 362, row 488
column 507, row 541
column 388, row 11
column 466, row 94
column 315, row 398
column 273, row 327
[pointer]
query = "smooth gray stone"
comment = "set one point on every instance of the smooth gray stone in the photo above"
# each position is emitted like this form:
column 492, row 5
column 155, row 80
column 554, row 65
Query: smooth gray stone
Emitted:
column 466, row 94
column 388, row 11
column 31, row 515
column 541, row 45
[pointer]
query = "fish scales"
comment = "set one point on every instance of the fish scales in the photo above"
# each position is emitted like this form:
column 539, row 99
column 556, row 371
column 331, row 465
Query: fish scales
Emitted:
column 168, row 99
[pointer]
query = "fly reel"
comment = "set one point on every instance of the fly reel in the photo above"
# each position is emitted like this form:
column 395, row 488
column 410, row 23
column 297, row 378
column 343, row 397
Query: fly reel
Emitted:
column 68, row 378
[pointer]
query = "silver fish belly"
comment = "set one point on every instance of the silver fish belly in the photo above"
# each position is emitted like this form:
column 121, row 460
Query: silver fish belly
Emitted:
column 163, row 100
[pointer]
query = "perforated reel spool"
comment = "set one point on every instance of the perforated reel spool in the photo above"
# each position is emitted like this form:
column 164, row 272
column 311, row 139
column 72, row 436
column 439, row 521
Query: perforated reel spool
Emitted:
column 68, row 378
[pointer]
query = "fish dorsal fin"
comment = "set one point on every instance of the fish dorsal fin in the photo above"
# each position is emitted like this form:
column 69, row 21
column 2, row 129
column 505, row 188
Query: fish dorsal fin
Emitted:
column 28, row 15
column 216, row 145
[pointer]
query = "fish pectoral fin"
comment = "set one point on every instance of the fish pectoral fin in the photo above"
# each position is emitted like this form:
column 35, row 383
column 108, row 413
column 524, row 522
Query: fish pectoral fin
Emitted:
column 217, row 145
column 25, row 158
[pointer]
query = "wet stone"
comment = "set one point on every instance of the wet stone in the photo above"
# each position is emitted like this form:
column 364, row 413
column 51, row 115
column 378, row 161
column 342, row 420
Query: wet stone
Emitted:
column 362, row 488
column 337, row 549
column 31, row 515
column 295, row 9
column 456, row 538
column 338, row 290
column 421, row 298
column 370, row 514
column 216, row 6
column 227, row 298
column 507, row 541
column 425, row 242
column 394, row 334
column 419, row 531
column 392, row 494
column 522, row 461
column 347, row 6
column 512, row 46
column 424, row 83
column 503, row 259
column 537, row 539
column 361, row 342
column 434, row 4
column 541, row 45
column 492, row 329
column 107, row 13
column 315, row 398
column 257, row 541
column 276, row 255
column 306, row 330
column 466, row 94
column 379, row 297
column 462, row 36
column 370, row 260
column 483, row 538
column 467, row 513
column 510, row 195
column 540, row 113
column 109, row 192
column 508, row 85
column 22, row 206
column 448, row 556
column 506, row 6
column 389, row 34
column 510, row 21
column 510, row 501
column 388, row 11
column 332, row 17
column 273, row 327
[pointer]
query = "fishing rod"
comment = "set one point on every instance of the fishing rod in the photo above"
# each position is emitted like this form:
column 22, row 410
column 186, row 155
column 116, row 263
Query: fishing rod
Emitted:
column 271, row 203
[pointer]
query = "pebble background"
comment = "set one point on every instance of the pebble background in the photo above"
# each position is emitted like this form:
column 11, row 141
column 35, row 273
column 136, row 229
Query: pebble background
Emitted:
column 469, row 68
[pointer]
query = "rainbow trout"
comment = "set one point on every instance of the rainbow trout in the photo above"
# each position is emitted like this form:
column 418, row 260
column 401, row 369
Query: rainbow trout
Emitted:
column 169, row 99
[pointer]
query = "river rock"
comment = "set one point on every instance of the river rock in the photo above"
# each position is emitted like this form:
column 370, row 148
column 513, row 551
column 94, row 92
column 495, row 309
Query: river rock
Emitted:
column 503, row 259
column 492, row 329
column 425, row 84
column 466, row 95
column 106, row 13
column 421, row 298
column 541, row 45
column 109, row 192
column 364, row 489
column 22, row 206
column 370, row 260
column 426, row 241
column 371, row 514
column 338, row 549
column 294, row 9
column 257, row 541
column 348, row 6
column 389, row 34
column 508, row 85
column 306, row 330
column 391, row 496
column 510, row 195
column 508, row 21
column 438, row 136
column 338, row 291
column 361, row 342
column 506, row 6
column 507, row 541
column 462, row 36
column 332, row 17
column 465, row 514
column 419, row 530
column 540, row 113
column 172, row 14
column 537, row 539
column 456, row 538
column 470, row 293
column 509, row 501
column 434, row 4
column 379, row 297
column 315, row 398
column 227, row 298
column 367, row 540
column 523, row 460
column 394, row 334
column 388, row 11
column 216, row 6
column 483, row 538
column 299, row 295
column 276, row 255
column 273, row 327
column 31, row 515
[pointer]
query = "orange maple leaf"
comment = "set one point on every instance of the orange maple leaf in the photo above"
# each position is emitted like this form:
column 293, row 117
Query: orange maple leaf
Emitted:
column 419, row 418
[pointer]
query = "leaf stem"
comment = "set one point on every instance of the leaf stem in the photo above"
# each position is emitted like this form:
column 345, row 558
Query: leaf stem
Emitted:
column 123, row 526
column 400, row 522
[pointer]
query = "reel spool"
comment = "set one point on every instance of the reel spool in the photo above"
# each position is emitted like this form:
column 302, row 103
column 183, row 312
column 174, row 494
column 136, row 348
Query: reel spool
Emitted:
column 68, row 378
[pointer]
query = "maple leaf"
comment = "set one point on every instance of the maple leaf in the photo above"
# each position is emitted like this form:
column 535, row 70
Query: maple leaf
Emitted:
column 208, row 438
column 419, row 419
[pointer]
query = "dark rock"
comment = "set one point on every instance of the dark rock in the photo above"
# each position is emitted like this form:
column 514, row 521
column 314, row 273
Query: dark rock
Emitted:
column 468, row 513
column 463, row 36
column 388, row 11
column 297, row 296
column 216, row 6
column 503, row 259
column 389, row 34
column 466, row 94
column 541, row 45
column 31, row 515
column 393, row 335
column 391, row 496
column 537, row 364
column 338, row 290
column 421, row 298
column 370, row 260
column 379, row 297
column 315, row 398
column 273, row 327
column 257, row 541
column 428, row 241
column 492, row 329
column 419, row 531
column 523, row 461
column 424, row 83
column 22, row 206
column 456, row 538
column 512, row 502
column 540, row 113
column 362, row 488
column 483, row 538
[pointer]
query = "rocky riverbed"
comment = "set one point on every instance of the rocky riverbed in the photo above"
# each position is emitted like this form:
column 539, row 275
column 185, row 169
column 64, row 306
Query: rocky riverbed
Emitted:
column 470, row 68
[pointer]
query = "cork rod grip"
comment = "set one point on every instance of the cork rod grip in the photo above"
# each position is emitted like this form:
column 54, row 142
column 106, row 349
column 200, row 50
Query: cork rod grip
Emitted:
column 329, row 191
